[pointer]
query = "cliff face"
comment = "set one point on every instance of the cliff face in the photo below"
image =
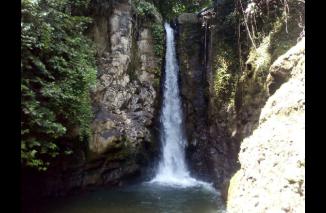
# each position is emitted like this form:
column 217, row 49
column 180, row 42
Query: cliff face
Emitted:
column 124, row 103
column 190, row 49
column 271, row 178
column 123, row 100
column 223, row 104
column 211, row 150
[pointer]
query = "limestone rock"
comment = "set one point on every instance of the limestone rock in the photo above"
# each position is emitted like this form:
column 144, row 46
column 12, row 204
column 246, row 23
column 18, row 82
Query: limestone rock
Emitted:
column 282, row 69
column 124, row 106
column 148, row 61
column 272, row 174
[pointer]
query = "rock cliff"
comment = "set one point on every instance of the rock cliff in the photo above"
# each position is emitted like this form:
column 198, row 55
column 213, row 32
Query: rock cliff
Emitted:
column 124, row 97
column 271, row 178
column 190, row 48
column 124, row 103
column 226, row 105
column 211, row 152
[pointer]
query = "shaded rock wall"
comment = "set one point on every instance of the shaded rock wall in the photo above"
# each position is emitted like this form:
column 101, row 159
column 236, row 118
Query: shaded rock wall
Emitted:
column 190, row 49
column 211, row 152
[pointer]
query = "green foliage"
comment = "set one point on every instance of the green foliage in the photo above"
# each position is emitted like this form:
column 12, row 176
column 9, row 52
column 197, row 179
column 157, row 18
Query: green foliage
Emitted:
column 158, row 36
column 260, row 58
column 282, row 41
column 170, row 9
column 144, row 8
column 262, row 16
column 148, row 13
column 226, row 65
column 224, row 81
column 222, row 77
column 178, row 8
column 240, row 69
column 276, row 43
column 57, row 71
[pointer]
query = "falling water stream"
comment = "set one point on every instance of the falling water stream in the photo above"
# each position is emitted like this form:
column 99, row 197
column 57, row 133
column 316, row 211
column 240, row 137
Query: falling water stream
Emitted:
column 172, row 169
column 172, row 190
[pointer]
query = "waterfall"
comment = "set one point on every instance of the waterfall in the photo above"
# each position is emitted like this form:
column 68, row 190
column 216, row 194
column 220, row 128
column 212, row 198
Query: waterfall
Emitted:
column 172, row 169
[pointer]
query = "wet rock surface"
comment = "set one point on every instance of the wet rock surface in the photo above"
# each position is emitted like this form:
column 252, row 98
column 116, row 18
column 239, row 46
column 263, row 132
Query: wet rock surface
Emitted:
column 210, row 150
column 190, row 48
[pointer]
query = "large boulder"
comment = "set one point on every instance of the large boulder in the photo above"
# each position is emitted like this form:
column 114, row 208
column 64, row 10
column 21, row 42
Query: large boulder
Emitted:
column 272, row 174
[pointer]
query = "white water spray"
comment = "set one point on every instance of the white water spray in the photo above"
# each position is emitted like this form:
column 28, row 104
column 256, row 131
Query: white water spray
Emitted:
column 172, row 169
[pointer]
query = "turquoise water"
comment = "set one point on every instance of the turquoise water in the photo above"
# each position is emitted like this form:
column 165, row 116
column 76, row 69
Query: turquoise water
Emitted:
column 142, row 198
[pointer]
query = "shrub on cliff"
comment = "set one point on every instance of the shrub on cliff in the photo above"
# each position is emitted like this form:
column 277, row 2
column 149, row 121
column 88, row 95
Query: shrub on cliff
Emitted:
column 57, row 71
column 172, row 8
column 148, row 12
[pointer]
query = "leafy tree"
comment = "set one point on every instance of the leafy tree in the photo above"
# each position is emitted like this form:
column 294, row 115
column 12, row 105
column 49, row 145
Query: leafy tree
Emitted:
column 57, row 71
column 172, row 8
column 148, row 12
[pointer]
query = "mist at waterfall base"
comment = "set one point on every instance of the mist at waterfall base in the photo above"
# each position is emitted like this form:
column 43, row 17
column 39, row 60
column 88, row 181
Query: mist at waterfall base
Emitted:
column 172, row 190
